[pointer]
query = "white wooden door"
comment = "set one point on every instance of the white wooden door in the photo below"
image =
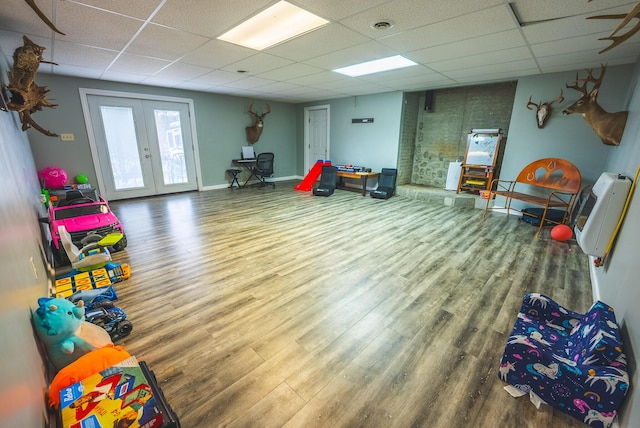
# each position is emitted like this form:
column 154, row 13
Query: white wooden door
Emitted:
column 316, row 135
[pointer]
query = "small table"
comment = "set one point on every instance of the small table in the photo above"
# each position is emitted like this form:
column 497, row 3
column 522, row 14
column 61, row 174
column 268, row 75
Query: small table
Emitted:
column 248, row 165
column 363, row 176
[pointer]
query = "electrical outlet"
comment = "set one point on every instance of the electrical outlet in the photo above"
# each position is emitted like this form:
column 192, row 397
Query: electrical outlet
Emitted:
column 67, row 137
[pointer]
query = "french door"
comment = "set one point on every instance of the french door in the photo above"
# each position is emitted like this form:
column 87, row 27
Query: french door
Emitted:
column 143, row 147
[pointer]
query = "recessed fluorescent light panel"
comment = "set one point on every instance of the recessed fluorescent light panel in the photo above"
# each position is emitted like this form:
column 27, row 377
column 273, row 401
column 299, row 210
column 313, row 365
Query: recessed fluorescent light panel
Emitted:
column 376, row 66
column 280, row 22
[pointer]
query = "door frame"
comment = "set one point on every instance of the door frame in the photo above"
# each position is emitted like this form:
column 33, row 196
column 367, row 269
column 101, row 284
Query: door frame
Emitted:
column 84, row 101
column 307, row 162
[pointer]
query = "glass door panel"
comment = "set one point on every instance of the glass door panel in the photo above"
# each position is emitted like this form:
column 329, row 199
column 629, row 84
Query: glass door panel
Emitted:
column 122, row 145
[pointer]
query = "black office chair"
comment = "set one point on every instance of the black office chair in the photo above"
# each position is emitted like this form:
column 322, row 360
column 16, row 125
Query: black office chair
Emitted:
column 263, row 169
column 328, row 180
column 386, row 184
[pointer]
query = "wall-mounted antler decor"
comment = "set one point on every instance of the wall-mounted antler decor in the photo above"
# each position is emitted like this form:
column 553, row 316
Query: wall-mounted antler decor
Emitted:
column 616, row 40
column 543, row 110
column 608, row 126
column 254, row 131
column 32, row 4
column 27, row 97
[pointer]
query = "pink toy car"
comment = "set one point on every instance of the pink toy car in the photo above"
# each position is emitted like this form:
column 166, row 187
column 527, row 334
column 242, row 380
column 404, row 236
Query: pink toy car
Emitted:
column 82, row 217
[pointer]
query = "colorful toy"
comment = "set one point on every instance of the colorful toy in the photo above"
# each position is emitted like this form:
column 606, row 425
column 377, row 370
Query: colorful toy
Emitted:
column 61, row 327
column 53, row 177
column 312, row 176
column 75, row 281
column 82, row 217
column 82, row 179
column 561, row 233
column 111, row 318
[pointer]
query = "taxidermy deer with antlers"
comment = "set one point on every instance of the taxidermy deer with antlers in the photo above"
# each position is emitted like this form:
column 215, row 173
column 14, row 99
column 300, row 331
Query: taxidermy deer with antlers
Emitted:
column 254, row 131
column 608, row 126
column 543, row 110
column 27, row 97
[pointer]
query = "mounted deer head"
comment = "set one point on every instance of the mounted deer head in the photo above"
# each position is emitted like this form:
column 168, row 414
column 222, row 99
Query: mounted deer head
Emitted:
column 543, row 110
column 608, row 126
column 253, row 132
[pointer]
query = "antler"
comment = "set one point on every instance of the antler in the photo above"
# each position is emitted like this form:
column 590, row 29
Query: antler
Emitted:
column 558, row 99
column 634, row 13
column 250, row 110
column 589, row 79
column 537, row 106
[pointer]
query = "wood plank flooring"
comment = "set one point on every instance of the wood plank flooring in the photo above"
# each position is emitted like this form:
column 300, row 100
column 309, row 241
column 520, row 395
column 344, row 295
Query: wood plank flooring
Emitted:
column 269, row 308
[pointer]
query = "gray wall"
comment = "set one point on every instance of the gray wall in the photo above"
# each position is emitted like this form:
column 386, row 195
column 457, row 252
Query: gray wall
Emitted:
column 618, row 280
column 220, row 127
column 372, row 145
column 24, row 272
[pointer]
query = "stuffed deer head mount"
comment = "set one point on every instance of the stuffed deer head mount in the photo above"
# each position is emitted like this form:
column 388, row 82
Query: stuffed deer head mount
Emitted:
column 27, row 97
column 608, row 126
column 254, row 131
column 543, row 110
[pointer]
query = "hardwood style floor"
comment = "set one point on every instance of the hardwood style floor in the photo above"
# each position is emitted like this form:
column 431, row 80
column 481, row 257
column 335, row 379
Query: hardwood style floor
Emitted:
column 268, row 308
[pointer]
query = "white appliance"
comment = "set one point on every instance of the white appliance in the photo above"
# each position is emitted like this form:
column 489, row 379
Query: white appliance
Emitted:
column 453, row 175
column 600, row 212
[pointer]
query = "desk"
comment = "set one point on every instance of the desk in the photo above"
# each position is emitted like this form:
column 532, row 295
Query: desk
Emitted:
column 248, row 165
column 362, row 176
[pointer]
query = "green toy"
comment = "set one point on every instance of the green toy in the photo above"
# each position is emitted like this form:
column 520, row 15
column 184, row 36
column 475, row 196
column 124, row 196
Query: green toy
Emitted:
column 61, row 327
column 81, row 179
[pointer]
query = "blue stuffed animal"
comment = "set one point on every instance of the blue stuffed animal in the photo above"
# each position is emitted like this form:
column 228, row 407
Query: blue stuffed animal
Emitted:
column 61, row 327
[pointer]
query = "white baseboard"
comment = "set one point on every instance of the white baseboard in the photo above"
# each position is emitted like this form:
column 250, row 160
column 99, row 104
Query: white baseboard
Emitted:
column 226, row 185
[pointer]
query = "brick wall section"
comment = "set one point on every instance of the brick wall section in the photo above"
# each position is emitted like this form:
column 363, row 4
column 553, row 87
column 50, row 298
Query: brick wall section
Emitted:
column 410, row 113
column 441, row 135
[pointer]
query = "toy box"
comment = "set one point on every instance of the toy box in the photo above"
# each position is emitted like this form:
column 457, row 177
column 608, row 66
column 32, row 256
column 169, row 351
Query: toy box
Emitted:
column 118, row 396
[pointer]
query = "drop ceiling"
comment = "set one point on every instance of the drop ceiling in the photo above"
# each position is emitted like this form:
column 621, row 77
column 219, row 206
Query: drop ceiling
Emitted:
column 172, row 43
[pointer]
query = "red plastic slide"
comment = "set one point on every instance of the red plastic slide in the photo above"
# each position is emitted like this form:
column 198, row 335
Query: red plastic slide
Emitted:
column 312, row 176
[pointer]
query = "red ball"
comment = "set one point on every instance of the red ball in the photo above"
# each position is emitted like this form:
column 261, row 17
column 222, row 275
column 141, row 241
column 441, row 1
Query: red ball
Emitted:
column 561, row 233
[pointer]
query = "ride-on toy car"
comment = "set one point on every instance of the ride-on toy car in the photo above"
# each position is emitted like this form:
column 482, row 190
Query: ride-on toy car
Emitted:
column 110, row 317
column 82, row 217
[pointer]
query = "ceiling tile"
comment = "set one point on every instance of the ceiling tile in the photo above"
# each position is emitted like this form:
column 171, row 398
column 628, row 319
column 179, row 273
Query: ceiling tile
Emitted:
column 492, row 69
column 327, row 39
column 476, row 45
column 136, row 64
column 487, row 21
column 410, row 14
column 89, row 26
column 209, row 18
column 83, row 56
column 217, row 54
column 179, row 71
column 172, row 43
column 367, row 51
column 488, row 58
column 258, row 63
column 163, row 42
